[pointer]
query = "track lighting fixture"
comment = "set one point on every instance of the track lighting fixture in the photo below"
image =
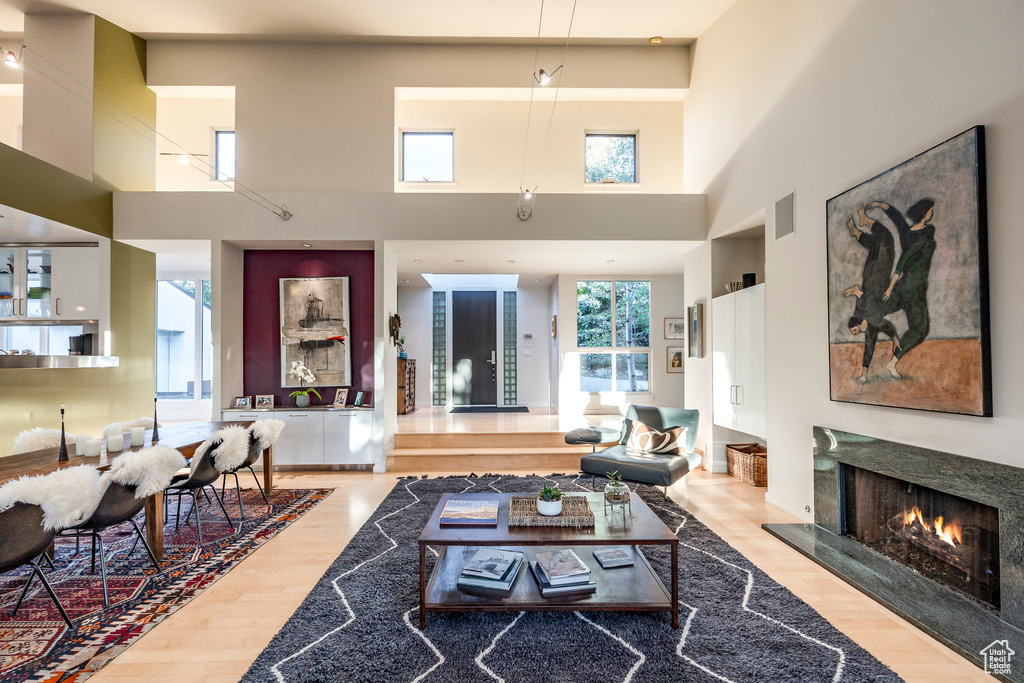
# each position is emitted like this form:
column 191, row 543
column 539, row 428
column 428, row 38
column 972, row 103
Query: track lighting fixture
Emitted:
column 11, row 59
column 542, row 77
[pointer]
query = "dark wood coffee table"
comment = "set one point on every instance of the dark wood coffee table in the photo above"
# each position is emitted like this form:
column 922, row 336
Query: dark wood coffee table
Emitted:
column 624, row 589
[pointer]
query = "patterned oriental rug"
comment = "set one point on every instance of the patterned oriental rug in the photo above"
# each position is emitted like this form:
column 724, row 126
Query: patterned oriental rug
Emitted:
column 360, row 622
column 37, row 645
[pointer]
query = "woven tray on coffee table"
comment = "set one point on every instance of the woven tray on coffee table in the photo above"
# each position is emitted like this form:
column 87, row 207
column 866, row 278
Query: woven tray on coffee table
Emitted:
column 576, row 512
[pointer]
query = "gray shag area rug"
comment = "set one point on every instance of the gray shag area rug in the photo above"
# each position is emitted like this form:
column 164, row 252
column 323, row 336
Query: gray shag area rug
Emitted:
column 360, row 621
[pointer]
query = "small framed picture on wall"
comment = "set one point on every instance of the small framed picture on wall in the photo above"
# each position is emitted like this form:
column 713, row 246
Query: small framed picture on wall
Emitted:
column 265, row 401
column 675, row 328
column 340, row 397
column 674, row 361
column 360, row 395
column 244, row 402
column 695, row 318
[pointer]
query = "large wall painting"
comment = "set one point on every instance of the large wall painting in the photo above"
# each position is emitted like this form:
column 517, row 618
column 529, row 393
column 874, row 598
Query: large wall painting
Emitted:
column 908, row 284
column 314, row 329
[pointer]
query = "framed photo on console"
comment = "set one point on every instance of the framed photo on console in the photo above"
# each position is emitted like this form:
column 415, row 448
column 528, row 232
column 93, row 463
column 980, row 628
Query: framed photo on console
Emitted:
column 244, row 402
column 340, row 398
column 358, row 402
column 265, row 401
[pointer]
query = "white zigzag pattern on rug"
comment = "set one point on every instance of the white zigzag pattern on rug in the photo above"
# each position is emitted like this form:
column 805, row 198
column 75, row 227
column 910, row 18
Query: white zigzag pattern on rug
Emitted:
column 840, row 666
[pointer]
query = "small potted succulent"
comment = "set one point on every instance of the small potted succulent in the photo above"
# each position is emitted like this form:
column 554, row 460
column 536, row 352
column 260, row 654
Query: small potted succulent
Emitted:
column 400, row 343
column 549, row 502
column 305, row 376
column 615, row 491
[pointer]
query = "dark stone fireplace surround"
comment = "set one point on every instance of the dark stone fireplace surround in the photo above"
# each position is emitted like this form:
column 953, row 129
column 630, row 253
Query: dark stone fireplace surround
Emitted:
column 963, row 624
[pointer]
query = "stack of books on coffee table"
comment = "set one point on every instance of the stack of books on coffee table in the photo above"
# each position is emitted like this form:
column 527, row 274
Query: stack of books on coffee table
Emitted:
column 491, row 569
column 561, row 572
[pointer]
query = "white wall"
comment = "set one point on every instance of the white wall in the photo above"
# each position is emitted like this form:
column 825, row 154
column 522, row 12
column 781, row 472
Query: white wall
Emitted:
column 489, row 135
column 190, row 123
column 667, row 389
column 416, row 305
column 11, row 103
column 58, row 111
column 813, row 98
column 553, row 355
column 320, row 118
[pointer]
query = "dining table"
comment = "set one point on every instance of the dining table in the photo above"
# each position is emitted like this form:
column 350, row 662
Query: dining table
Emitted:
column 185, row 438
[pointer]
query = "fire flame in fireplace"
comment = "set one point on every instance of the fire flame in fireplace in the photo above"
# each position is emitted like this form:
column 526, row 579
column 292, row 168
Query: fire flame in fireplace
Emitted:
column 947, row 531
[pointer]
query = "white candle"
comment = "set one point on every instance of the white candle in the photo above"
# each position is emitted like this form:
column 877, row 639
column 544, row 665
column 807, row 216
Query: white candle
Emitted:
column 138, row 435
column 80, row 444
column 92, row 447
column 115, row 442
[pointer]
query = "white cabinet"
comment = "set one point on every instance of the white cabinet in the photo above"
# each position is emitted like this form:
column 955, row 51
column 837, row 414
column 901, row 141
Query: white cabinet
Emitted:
column 75, row 281
column 318, row 437
column 738, row 339
column 302, row 440
column 348, row 437
column 49, row 283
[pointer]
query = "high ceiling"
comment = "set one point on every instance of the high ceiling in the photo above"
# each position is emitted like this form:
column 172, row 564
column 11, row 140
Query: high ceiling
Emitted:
column 678, row 21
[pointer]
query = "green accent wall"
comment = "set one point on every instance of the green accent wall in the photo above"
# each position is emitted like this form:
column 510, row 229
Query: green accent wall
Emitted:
column 124, row 112
column 124, row 159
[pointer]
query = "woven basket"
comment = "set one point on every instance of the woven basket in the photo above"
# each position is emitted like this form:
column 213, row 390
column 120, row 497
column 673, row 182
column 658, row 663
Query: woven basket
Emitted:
column 749, row 462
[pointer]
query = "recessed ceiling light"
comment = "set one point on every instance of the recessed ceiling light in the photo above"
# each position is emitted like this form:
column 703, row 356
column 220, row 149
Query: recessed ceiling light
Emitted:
column 611, row 260
column 460, row 260
column 306, row 244
column 418, row 260
column 511, row 260
column 406, row 280
column 656, row 40
column 536, row 280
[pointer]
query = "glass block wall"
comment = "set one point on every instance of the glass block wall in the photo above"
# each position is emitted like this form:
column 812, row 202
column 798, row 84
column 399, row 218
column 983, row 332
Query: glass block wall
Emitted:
column 509, row 335
column 439, row 366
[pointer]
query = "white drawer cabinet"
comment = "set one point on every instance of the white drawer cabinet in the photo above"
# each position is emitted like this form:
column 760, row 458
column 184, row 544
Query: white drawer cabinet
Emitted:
column 302, row 441
column 318, row 437
column 348, row 437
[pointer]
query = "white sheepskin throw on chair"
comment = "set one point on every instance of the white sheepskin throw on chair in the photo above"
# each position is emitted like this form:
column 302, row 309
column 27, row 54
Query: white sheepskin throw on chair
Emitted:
column 230, row 454
column 120, row 427
column 266, row 432
column 39, row 438
column 146, row 422
column 149, row 470
column 68, row 496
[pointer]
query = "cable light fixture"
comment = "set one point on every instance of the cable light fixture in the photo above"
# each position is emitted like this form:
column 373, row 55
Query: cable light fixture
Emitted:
column 541, row 77
column 9, row 58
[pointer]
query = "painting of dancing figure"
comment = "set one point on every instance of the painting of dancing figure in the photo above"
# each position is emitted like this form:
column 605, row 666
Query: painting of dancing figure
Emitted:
column 314, row 329
column 908, row 284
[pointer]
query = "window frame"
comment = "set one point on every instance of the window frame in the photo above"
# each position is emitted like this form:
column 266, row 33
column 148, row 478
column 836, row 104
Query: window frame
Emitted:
column 614, row 351
column 401, row 157
column 635, row 134
column 215, row 171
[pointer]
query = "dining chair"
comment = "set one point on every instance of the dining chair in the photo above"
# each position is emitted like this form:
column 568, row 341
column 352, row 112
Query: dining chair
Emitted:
column 262, row 435
column 22, row 540
column 132, row 478
column 38, row 438
column 201, row 476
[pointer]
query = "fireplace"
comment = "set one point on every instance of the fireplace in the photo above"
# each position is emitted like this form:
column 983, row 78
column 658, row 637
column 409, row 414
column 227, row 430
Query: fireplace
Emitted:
column 949, row 539
column 936, row 537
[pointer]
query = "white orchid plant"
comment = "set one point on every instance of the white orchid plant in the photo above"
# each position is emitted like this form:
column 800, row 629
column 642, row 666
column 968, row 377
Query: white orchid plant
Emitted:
column 305, row 376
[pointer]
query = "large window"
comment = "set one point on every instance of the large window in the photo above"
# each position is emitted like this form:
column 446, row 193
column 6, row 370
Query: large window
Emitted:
column 428, row 157
column 184, row 350
column 613, row 324
column 611, row 158
column 224, row 154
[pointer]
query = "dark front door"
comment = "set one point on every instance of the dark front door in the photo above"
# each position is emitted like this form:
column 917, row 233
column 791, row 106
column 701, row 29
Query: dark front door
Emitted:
column 474, row 348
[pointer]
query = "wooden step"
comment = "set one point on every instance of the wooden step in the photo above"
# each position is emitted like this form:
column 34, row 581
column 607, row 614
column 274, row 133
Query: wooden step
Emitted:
column 420, row 440
column 486, row 459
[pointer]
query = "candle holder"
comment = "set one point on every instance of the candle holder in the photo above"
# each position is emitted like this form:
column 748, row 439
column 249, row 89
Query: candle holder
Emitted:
column 62, row 456
column 156, row 425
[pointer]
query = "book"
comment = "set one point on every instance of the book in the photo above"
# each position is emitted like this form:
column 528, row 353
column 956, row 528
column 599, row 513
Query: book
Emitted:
column 502, row 585
column 609, row 558
column 547, row 589
column 561, row 567
column 491, row 563
column 470, row 512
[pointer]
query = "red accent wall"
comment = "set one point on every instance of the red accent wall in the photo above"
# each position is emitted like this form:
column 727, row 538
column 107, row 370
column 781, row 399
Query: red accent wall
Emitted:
column 262, row 319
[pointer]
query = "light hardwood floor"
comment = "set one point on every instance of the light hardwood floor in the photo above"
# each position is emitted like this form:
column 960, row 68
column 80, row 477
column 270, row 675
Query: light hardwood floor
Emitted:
column 218, row 635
